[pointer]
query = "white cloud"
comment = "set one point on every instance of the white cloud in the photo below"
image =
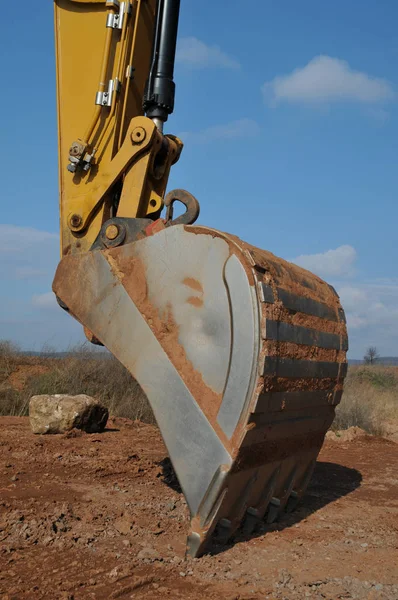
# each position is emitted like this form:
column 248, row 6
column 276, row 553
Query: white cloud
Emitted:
column 27, row 253
column 352, row 297
column 327, row 79
column 356, row 304
column 332, row 263
column 195, row 53
column 45, row 301
column 372, row 315
column 30, row 314
column 236, row 129
column 18, row 239
column 355, row 322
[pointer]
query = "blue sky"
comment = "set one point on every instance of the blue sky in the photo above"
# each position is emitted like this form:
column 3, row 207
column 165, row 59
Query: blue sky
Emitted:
column 289, row 113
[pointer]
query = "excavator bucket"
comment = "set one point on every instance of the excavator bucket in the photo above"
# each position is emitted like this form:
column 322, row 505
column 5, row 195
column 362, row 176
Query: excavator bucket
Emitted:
column 242, row 356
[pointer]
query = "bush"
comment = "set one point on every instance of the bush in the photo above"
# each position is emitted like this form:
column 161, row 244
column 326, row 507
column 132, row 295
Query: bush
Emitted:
column 380, row 377
column 8, row 359
column 83, row 371
column 370, row 399
column 11, row 402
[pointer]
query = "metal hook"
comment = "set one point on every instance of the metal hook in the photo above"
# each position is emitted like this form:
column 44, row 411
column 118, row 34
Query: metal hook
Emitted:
column 189, row 201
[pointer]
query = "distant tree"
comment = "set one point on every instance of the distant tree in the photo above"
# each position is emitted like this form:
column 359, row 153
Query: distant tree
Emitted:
column 371, row 355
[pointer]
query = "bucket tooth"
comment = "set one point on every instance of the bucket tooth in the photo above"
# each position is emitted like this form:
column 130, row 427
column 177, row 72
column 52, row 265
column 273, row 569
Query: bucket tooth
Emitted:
column 292, row 502
column 223, row 531
column 252, row 519
column 274, row 509
column 240, row 507
column 255, row 514
column 241, row 355
column 284, row 497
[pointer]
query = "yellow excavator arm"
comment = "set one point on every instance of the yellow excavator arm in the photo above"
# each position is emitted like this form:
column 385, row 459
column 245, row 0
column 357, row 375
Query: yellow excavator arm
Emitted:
column 114, row 161
column 241, row 354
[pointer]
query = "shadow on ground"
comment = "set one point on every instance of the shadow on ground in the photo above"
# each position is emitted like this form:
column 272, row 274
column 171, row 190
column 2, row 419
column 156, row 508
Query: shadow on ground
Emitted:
column 329, row 482
column 168, row 475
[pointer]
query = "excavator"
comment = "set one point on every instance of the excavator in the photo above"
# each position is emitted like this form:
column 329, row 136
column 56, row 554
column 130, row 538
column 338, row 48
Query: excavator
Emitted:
column 242, row 355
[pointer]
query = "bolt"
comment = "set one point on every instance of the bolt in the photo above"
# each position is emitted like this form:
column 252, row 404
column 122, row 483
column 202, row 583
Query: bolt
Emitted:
column 76, row 221
column 76, row 149
column 112, row 231
column 138, row 135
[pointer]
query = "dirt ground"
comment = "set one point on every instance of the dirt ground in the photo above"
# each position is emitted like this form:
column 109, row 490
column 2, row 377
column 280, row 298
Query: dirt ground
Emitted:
column 101, row 516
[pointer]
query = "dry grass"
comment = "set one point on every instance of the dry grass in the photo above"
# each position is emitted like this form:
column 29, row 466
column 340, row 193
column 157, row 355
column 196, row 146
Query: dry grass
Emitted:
column 83, row 371
column 8, row 359
column 370, row 399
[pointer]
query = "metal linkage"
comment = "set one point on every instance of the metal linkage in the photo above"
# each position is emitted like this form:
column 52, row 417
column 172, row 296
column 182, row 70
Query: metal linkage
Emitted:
column 115, row 21
column 105, row 98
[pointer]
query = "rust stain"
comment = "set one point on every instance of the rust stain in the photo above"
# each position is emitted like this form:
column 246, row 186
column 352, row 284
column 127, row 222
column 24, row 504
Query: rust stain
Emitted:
column 195, row 301
column 194, row 284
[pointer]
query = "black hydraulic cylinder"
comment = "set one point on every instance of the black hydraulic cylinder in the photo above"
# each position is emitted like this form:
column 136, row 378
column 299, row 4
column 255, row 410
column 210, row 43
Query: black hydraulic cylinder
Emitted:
column 160, row 88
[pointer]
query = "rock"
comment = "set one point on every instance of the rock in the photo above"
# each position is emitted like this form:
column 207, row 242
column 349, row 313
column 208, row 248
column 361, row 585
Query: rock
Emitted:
column 346, row 435
column 114, row 574
column 148, row 553
column 60, row 413
column 123, row 525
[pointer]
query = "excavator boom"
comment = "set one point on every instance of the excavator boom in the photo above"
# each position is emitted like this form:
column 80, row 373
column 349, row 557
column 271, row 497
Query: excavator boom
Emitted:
column 115, row 61
column 242, row 355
